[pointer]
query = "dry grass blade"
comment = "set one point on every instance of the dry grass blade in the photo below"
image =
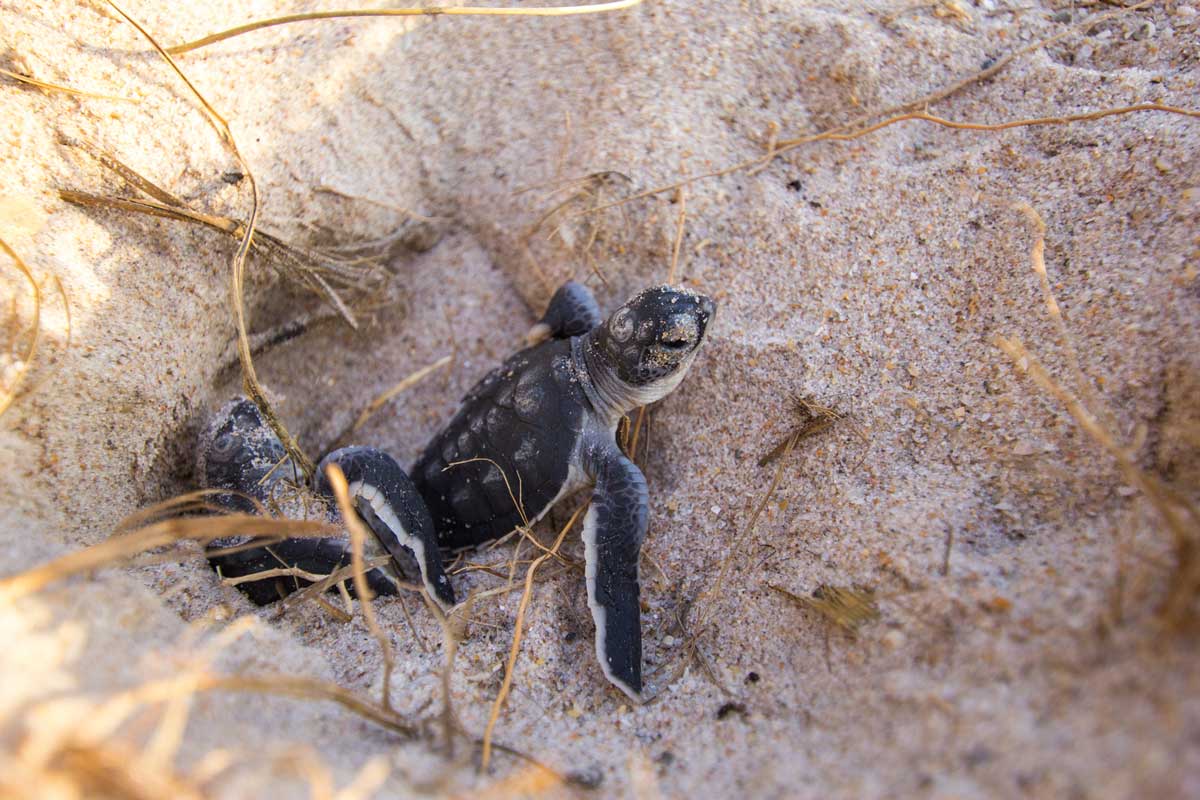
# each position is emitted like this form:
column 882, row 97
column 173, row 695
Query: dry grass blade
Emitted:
column 856, row 127
column 679, row 229
column 126, row 172
column 238, row 266
column 8, row 394
column 194, row 502
column 848, row 608
column 320, row 587
column 307, row 267
column 552, row 11
column 122, row 547
column 820, row 418
column 1186, row 580
column 358, row 538
column 1185, row 584
column 1062, row 119
column 154, row 209
column 403, row 386
column 515, row 649
column 454, row 630
column 55, row 87
column 517, row 499
column 817, row 418
column 715, row 590
column 278, row 572
column 311, row 689
column 383, row 399
column 838, row 136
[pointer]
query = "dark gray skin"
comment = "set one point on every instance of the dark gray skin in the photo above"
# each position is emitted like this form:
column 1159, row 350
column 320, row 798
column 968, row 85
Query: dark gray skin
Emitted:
column 238, row 452
column 544, row 424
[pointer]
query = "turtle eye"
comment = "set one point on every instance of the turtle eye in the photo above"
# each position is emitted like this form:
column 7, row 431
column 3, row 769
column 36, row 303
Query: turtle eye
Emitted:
column 225, row 445
column 621, row 325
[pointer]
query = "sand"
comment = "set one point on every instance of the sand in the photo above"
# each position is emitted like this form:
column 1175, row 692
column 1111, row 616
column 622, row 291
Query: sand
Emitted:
column 872, row 276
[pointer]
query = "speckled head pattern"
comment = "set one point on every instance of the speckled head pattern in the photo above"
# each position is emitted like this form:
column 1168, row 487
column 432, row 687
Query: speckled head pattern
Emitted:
column 238, row 451
column 654, row 335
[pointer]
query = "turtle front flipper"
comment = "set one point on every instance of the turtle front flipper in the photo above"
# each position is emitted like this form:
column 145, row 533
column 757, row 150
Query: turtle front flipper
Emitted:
column 613, row 530
column 573, row 311
column 316, row 556
column 386, row 499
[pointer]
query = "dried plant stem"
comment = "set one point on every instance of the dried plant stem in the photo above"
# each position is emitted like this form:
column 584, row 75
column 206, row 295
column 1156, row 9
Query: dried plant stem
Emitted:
column 238, row 266
column 837, row 135
column 277, row 572
column 1037, row 258
column 552, row 11
column 35, row 328
column 984, row 126
column 515, row 649
column 1187, row 542
column 673, row 271
column 403, row 386
column 855, row 128
column 54, row 87
column 1186, row 581
column 358, row 538
column 1000, row 64
column 122, row 547
column 310, row 689
column 727, row 562
column 333, row 579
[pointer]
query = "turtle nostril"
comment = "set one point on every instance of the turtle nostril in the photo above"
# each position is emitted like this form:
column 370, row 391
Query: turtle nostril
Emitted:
column 675, row 344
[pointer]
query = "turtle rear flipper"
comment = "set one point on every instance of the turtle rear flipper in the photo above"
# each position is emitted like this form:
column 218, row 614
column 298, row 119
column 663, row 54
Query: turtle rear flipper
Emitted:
column 573, row 311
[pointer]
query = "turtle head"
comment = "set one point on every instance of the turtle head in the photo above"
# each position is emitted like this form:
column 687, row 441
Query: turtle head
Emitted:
column 238, row 451
column 641, row 353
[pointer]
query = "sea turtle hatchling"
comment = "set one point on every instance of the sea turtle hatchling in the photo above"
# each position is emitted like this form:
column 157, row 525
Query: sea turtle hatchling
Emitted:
column 534, row 430
column 543, row 425
column 240, row 454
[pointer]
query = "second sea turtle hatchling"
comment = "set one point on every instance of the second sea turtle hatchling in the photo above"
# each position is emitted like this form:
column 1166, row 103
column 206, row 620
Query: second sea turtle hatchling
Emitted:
column 242, row 460
column 543, row 425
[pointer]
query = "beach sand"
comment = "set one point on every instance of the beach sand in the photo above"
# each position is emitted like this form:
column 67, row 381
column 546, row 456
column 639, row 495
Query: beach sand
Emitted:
column 1019, row 648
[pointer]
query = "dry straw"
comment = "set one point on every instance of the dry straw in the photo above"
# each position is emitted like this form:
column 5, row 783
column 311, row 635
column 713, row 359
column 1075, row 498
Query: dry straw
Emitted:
column 56, row 87
column 460, row 11
column 870, row 122
column 1180, row 514
column 7, row 395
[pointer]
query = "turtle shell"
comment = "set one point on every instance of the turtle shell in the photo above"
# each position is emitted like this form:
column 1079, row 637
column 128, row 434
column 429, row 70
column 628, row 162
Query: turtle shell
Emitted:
column 517, row 429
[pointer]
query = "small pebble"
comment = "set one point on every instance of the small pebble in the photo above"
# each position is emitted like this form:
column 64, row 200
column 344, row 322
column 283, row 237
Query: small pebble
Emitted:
column 1062, row 16
column 1144, row 31
column 894, row 640
column 586, row 778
